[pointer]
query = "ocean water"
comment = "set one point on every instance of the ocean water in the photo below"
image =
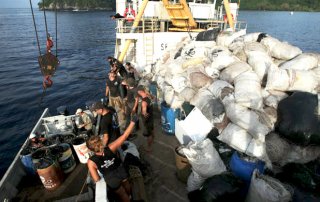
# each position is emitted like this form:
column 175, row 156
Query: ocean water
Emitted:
column 85, row 39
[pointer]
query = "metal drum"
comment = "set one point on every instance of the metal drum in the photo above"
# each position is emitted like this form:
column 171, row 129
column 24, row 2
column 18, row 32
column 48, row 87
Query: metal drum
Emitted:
column 49, row 173
column 64, row 156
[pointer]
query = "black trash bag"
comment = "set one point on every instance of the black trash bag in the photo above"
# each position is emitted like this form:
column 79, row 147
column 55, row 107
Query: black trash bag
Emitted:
column 224, row 187
column 178, row 54
column 212, row 108
column 210, row 35
column 303, row 176
column 261, row 36
column 187, row 107
column 300, row 195
column 297, row 120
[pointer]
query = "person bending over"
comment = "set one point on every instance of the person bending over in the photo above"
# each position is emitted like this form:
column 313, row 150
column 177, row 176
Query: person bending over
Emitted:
column 109, row 124
column 106, row 161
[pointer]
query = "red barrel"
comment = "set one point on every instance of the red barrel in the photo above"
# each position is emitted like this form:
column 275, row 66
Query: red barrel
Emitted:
column 49, row 173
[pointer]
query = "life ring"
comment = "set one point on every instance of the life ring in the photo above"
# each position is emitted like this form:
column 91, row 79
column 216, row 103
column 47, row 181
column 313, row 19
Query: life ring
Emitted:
column 225, row 18
column 129, row 14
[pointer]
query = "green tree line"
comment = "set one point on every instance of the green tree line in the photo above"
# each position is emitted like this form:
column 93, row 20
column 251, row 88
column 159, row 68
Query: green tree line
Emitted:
column 77, row 4
column 277, row 5
column 281, row 5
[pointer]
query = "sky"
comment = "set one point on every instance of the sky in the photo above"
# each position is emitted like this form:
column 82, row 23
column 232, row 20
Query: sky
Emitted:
column 17, row 3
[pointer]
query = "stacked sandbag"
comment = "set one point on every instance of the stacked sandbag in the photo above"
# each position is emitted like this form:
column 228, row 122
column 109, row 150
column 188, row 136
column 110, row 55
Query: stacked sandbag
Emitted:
column 205, row 162
column 264, row 188
column 237, row 83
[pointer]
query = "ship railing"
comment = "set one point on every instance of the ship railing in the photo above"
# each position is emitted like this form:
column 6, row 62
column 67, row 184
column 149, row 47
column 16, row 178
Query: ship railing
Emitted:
column 145, row 25
column 151, row 25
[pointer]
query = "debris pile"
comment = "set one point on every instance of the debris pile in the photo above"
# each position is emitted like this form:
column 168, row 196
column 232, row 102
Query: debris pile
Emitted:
column 261, row 94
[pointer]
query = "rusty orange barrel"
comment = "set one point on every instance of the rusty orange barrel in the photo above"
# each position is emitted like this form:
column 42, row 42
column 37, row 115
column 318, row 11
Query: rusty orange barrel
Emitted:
column 183, row 167
column 49, row 173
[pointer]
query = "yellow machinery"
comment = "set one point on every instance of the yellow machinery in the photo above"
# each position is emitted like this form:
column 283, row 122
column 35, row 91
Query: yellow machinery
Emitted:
column 180, row 14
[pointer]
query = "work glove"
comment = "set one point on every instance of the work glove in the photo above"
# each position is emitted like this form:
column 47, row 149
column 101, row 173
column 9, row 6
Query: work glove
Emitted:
column 134, row 118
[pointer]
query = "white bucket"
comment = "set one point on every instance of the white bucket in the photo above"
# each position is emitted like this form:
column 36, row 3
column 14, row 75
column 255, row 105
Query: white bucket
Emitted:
column 79, row 145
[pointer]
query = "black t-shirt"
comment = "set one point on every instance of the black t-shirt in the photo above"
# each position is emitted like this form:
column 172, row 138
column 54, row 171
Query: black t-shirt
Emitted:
column 109, row 124
column 131, row 75
column 131, row 95
column 108, row 162
column 149, row 105
column 114, row 87
column 122, row 70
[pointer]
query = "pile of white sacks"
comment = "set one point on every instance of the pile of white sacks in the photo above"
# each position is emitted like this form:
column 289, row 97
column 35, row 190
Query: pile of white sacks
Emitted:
column 248, row 78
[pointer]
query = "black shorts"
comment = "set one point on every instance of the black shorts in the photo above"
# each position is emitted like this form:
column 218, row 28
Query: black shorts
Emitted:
column 147, row 125
column 115, row 177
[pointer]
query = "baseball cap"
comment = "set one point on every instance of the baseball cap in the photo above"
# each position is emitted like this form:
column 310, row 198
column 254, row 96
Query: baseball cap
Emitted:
column 32, row 135
column 79, row 110
column 97, row 105
column 140, row 87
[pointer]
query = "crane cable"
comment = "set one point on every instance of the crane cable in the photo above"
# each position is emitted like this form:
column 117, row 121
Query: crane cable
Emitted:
column 56, row 19
column 48, row 58
column 45, row 18
column 35, row 28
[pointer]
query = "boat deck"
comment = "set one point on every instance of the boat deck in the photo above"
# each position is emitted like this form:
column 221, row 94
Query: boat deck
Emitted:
column 161, row 183
column 33, row 189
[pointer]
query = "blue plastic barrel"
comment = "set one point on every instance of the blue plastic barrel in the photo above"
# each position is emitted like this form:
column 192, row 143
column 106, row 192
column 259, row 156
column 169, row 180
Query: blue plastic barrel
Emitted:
column 153, row 91
column 26, row 160
column 168, row 116
column 244, row 169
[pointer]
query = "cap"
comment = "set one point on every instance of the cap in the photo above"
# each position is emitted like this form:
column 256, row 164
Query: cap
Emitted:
column 131, row 82
column 32, row 135
column 79, row 110
column 97, row 105
column 140, row 87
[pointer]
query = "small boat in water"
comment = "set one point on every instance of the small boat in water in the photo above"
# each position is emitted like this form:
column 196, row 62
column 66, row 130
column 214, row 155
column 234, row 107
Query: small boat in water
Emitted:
column 47, row 166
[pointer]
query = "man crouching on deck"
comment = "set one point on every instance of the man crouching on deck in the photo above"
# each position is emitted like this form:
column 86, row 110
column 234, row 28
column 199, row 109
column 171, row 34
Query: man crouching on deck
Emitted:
column 105, row 160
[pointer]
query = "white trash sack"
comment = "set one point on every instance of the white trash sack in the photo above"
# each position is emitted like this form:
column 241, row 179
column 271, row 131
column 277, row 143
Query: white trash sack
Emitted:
column 266, row 189
column 280, row 50
column 305, row 61
column 204, row 158
column 245, row 118
column 238, row 138
column 219, row 87
column 195, row 181
column 234, row 70
column 260, row 62
column 247, row 90
column 194, row 127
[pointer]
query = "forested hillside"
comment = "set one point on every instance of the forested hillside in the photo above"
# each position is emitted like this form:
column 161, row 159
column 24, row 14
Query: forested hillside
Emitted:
column 287, row 5
column 79, row 4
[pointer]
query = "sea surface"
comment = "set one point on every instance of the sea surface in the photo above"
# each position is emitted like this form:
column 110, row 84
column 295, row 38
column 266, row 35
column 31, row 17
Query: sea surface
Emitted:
column 85, row 39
